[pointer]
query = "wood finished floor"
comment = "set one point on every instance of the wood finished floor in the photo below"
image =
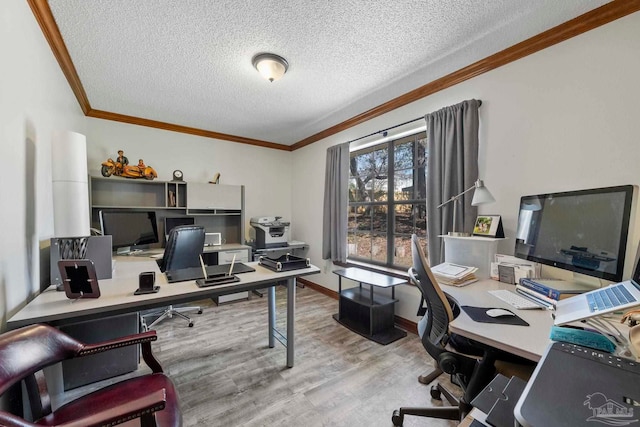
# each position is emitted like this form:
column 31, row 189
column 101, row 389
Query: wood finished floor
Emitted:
column 227, row 376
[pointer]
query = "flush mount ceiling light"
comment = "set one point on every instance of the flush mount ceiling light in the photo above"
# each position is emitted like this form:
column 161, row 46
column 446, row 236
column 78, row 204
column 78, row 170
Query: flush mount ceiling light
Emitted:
column 272, row 67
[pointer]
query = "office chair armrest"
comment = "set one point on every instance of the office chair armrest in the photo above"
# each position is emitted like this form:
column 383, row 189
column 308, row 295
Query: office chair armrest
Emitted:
column 412, row 275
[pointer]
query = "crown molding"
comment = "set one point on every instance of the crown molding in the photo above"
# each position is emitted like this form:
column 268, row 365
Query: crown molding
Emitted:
column 581, row 24
column 116, row 117
column 45, row 19
column 43, row 15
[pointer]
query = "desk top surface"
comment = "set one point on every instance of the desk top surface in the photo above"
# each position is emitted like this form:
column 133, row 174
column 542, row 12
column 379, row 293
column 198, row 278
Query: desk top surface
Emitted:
column 529, row 342
column 117, row 296
column 370, row 277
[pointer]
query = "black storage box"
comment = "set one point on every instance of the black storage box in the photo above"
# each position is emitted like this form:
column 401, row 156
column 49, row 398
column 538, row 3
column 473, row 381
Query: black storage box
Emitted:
column 284, row 263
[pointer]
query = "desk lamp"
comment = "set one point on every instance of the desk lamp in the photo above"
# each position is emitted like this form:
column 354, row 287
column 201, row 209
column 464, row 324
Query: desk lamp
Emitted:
column 480, row 197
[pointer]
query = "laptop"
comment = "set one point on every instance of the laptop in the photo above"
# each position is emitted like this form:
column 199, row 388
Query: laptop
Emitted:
column 616, row 297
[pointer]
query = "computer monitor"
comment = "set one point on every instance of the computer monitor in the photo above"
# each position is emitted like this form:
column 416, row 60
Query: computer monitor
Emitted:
column 171, row 222
column 582, row 231
column 129, row 230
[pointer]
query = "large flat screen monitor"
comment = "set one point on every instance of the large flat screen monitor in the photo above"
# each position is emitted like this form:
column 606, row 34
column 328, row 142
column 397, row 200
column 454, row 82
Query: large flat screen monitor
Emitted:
column 582, row 231
column 129, row 230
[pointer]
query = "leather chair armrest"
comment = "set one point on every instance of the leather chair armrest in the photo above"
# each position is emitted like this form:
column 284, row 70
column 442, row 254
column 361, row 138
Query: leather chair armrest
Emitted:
column 142, row 407
column 10, row 420
column 144, row 337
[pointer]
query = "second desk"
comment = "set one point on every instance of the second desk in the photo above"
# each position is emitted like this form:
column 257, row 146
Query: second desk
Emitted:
column 117, row 297
column 529, row 342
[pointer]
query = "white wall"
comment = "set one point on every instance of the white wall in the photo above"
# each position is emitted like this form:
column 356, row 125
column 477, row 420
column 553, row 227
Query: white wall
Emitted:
column 265, row 172
column 565, row 118
column 35, row 100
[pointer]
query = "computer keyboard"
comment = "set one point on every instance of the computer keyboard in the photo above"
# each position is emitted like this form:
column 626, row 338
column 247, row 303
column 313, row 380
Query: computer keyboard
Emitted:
column 515, row 300
column 609, row 297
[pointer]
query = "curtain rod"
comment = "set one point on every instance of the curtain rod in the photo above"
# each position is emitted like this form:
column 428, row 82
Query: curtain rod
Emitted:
column 384, row 131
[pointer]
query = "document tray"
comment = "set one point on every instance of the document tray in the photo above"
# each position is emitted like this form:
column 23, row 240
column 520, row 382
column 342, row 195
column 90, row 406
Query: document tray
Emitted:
column 219, row 279
column 284, row 263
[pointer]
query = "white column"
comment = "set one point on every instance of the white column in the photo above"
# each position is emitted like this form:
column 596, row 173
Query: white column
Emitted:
column 70, row 184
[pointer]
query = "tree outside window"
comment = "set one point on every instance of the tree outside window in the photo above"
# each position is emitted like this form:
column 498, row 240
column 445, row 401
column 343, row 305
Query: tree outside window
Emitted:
column 387, row 201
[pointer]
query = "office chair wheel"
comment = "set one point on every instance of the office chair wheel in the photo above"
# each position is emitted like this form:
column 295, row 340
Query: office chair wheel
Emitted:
column 397, row 418
column 191, row 324
column 200, row 311
column 436, row 393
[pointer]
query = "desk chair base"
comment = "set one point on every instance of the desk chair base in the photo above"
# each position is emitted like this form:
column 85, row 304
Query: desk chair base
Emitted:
column 457, row 411
column 428, row 379
column 168, row 313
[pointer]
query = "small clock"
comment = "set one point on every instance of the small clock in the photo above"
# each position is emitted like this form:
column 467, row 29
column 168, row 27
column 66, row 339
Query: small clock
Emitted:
column 177, row 175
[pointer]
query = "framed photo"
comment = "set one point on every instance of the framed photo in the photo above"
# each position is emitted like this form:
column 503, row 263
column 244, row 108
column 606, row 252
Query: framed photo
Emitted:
column 79, row 278
column 488, row 226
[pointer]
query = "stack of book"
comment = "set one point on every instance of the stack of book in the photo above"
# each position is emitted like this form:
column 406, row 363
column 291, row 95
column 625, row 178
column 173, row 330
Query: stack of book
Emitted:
column 550, row 291
column 454, row 274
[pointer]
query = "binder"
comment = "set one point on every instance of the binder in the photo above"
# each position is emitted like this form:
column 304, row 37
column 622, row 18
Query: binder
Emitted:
column 554, row 289
column 537, row 296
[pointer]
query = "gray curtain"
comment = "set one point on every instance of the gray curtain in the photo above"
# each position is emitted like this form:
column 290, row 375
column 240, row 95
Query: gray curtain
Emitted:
column 452, row 167
column 336, row 204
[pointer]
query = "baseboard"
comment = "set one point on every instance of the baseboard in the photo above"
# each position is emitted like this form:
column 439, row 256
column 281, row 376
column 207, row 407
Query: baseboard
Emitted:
column 405, row 324
column 319, row 288
column 400, row 322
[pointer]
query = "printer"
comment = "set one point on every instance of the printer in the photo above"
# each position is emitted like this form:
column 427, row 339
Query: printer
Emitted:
column 271, row 231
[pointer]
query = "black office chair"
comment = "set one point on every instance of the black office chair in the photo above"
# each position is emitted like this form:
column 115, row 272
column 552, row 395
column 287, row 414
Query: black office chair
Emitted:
column 183, row 250
column 470, row 364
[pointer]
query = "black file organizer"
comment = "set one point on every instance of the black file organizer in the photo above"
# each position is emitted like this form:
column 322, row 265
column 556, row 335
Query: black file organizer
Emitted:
column 284, row 263
column 217, row 279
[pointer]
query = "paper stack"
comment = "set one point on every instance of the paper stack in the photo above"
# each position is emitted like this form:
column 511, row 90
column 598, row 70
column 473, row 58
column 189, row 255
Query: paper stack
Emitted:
column 454, row 274
column 509, row 269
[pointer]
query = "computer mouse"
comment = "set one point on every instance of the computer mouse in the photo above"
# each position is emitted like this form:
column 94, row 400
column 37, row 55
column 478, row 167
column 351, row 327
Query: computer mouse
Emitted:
column 499, row 312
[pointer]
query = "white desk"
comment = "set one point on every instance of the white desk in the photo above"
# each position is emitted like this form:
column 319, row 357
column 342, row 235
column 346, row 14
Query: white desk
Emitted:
column 117, row 297
column 529, row 342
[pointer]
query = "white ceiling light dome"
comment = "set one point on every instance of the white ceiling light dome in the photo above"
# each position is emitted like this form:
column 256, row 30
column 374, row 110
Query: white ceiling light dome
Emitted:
column 271, row 66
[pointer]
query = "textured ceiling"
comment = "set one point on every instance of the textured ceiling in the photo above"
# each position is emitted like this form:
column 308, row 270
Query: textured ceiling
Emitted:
column 188, row 62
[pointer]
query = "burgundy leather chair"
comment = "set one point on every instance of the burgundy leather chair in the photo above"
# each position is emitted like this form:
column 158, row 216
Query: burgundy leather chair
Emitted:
column 24, row 352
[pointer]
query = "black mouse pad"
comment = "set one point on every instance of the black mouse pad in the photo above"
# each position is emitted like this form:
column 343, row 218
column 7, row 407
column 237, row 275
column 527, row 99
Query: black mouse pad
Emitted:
column 479, row 314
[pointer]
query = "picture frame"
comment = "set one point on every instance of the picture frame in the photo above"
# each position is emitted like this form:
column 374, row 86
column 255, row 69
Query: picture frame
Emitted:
column 488, row 226
column 79, row 278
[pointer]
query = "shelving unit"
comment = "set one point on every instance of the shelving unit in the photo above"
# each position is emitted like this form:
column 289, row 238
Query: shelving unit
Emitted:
column 219, row 208
column 365, row 312
column 214, row 199
column 122, row 193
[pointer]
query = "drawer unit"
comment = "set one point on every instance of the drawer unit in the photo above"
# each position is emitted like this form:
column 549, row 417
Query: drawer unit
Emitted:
column 226, row 257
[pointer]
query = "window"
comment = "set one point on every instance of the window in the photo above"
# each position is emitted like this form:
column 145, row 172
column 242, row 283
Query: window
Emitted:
column 387, row 201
